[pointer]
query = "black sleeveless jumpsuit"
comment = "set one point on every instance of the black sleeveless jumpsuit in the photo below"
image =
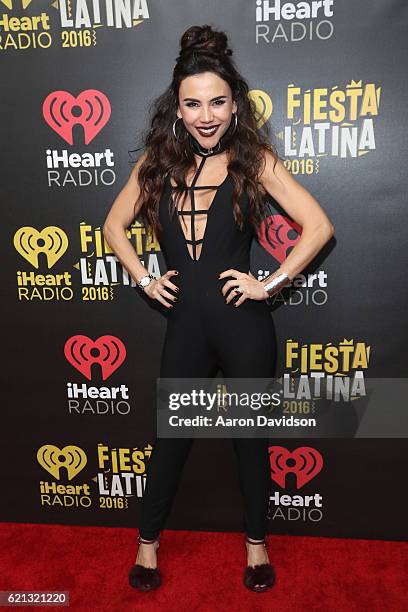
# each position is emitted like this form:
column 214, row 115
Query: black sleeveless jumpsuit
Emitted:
column 205, row 333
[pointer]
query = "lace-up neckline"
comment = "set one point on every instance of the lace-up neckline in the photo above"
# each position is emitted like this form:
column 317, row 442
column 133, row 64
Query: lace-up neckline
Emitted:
column 194, row 237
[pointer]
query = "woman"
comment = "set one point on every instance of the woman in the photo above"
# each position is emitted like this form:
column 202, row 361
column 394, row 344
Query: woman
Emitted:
column 200, row 185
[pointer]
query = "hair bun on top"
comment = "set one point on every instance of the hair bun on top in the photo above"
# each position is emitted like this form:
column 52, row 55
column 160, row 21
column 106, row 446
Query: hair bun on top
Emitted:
column 205, row 40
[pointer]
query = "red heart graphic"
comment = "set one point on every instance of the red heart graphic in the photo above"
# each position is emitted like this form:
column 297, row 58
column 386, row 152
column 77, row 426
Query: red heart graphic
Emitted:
column 307, row 462
column 273, row 235
column 94, row 112
column 111, row 354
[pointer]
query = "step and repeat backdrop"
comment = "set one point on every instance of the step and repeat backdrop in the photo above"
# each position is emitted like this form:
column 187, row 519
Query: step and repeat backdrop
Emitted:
column 81, row 345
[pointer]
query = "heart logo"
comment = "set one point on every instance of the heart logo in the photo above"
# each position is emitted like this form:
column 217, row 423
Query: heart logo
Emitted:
column 278, row 235
column 62, row 111
column 108, row 351
column 52, row 459
column 304, row 461
column 52, row 241
column 262, row 106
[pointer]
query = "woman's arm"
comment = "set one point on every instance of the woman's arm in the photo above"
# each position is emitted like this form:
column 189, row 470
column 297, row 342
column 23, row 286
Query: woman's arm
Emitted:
column 303, row 208
column 121, row 214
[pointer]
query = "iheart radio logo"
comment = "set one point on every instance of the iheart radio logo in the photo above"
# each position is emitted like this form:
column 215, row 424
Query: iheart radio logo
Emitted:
column 52, row 241
column 9, row 4
column 82, row 352
column 62, row 111
column 52, row 459
column 305, row 462
column 278, row 235
column 262, row 105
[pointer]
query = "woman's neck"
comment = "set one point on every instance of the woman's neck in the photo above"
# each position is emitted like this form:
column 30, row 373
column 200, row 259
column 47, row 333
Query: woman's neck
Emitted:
column 206, row 152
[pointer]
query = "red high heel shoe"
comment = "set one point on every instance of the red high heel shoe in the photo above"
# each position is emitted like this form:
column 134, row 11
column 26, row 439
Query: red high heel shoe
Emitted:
column 259, row 578
column 145, row 578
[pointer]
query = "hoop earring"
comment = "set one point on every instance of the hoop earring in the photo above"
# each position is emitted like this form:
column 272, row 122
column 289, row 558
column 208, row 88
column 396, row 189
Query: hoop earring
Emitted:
column 236, row 123
column 174, row 130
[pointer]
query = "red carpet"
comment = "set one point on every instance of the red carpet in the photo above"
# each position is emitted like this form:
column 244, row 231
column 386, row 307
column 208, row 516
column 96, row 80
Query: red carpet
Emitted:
column 203, row 571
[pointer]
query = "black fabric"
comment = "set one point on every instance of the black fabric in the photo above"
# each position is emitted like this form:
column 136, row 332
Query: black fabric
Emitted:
column 204, row 334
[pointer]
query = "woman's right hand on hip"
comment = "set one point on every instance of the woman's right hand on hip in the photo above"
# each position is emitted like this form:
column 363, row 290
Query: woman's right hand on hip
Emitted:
column 157, row 289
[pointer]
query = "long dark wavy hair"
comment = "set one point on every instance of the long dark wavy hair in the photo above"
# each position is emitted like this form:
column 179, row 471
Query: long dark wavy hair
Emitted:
column 203, row 49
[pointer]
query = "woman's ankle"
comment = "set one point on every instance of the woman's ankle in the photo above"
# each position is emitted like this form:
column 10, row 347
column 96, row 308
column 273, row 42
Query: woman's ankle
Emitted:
column 251, row 540
column 147, row 540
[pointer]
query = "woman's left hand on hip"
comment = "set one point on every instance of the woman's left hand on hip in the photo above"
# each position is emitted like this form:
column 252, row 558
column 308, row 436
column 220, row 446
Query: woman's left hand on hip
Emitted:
column 245, row 285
